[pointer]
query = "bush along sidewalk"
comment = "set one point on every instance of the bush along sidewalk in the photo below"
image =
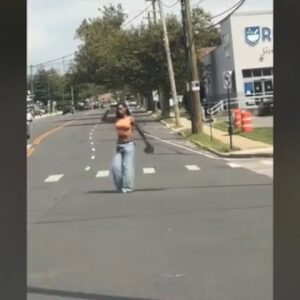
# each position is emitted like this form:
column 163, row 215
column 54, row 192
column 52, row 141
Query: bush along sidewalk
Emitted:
column 204, row 141
column 261, row 134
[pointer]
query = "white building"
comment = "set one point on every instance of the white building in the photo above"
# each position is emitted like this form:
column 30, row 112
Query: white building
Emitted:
column 247, row 51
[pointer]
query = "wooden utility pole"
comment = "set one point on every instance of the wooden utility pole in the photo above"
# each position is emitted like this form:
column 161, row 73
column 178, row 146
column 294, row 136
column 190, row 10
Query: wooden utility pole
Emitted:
column 196, row 113
column 72, row 95
column 154, row 11
column 170, row 66
column 31, row 80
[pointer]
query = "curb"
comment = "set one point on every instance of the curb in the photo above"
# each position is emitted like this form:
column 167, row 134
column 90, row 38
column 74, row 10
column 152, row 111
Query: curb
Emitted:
column 48, row 115
column 225, row 155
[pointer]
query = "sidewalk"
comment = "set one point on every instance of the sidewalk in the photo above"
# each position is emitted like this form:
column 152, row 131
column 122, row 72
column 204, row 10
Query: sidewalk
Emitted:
column 248, row 148
column 48, row 115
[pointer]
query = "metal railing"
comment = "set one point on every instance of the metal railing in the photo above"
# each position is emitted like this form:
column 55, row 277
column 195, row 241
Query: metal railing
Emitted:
column 239, row 102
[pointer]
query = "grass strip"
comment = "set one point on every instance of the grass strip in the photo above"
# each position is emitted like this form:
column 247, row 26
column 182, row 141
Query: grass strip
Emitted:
column 261, row 134
column 206, row 142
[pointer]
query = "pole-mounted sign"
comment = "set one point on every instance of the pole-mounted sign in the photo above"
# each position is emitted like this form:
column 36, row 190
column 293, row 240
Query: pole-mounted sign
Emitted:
column 227, row 83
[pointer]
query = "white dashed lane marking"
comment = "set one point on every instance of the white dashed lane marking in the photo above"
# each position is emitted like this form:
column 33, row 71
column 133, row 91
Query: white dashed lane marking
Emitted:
column 93, row 157
column 87, row 168
column 148, row 170
column 192, row 168
column 93, row 149
column 54, row 178
column 102, row 173
column 267, row 162
column 234, row 165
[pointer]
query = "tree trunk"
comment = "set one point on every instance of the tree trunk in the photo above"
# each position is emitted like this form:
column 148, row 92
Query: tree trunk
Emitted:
column 165, row 103
column 151, row 104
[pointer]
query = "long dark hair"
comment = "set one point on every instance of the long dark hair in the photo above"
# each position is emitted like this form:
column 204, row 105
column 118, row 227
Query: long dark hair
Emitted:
column 127, row 112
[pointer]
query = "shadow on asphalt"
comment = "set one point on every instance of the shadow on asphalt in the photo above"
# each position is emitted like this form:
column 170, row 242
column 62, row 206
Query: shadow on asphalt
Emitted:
column 82, row 124
column 77, row 295
column 79, row 119
column 183, row 187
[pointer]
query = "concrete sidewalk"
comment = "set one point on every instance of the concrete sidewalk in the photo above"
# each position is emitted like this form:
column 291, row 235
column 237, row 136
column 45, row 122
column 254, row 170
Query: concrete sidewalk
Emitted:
column 248, row 147
column 48, row 115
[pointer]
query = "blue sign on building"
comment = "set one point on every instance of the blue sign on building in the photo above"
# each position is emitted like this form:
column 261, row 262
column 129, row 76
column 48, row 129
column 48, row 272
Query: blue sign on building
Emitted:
column 255, row 34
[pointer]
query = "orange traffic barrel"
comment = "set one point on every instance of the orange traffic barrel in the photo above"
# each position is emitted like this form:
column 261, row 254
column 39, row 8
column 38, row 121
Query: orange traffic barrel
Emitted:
column 247, row 124
column 237, row 118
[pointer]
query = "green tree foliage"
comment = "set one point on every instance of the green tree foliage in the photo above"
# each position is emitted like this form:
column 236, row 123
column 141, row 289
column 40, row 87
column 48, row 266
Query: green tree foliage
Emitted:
column 134, row 58
column 48, row 84
column 204, row 34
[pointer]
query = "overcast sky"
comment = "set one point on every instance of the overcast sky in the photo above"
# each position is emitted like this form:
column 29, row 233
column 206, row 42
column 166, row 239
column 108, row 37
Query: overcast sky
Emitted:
column 51, row 24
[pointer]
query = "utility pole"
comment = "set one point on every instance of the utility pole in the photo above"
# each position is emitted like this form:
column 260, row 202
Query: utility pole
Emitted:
column 170, row 66
column 187, row 66
column 31, row 80
column 49, row 97
column 196, row 114
column 63, row 85
column 153, row 10
column 72, row 95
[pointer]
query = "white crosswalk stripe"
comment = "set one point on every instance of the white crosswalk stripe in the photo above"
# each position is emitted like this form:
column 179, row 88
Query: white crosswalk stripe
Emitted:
column 102, row 173
column 192, row 168
column 234, row 165
column 263, row 167
column 54, row 178
column 148, row 170
column 267, row 162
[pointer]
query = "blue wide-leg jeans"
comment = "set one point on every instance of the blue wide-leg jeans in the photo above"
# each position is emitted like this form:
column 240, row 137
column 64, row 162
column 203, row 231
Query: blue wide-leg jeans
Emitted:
column 123, row 167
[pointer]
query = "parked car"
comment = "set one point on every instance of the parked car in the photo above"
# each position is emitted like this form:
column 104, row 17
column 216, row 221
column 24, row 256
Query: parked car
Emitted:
column 265, row 107
column 68, row 109
column 29, row 116
column 29, row 119
column 113, row 105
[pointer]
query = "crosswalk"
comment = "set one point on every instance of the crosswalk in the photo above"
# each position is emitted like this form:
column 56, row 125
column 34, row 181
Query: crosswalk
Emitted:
column 259, row 166
column 263, row 167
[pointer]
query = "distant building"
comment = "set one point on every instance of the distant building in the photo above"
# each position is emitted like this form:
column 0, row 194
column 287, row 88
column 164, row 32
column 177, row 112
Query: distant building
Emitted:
column 247, row 50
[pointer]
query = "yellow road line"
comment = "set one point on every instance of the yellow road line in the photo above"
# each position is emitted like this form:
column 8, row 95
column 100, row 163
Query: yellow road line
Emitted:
column 30, row 151
column 40, row 138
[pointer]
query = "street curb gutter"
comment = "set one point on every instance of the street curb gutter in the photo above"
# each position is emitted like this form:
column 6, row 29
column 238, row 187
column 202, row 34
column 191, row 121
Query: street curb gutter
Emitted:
column 225, row 155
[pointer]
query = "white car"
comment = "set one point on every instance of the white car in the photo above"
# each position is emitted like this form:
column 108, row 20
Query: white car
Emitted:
column 29, row 116
column 29, row 119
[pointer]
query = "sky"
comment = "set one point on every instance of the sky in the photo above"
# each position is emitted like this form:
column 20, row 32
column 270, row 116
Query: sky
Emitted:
column 52, row 24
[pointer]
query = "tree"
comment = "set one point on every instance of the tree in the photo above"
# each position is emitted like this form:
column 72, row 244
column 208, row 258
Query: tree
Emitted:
column 205, row 34
column 48, row 85
column 134, row 59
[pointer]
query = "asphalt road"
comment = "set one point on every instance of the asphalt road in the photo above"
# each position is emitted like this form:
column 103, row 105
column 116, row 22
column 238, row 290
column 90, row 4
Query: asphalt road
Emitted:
column 196, row 227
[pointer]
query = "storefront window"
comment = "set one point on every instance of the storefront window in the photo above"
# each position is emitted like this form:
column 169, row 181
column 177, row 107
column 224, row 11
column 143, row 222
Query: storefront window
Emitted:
column 248, row 88
column 267, row 72
column 247, row 73
column 257, row 73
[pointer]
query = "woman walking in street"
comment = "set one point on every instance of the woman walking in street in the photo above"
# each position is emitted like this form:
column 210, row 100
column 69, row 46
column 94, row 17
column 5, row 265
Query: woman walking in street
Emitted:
column 123, row 162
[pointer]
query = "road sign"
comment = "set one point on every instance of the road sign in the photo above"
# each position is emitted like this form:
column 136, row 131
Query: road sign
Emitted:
column 195, row 86
column 227, row 82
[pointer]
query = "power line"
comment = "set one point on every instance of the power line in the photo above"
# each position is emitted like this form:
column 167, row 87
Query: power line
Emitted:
column 53, row 60
column 135, row 17
column 227, row 10
column 62, row 57
column 172, row 5
column 238, row 5
column 196, row 4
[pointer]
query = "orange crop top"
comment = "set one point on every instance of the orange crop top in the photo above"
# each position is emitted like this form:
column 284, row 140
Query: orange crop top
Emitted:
column 124, row 128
